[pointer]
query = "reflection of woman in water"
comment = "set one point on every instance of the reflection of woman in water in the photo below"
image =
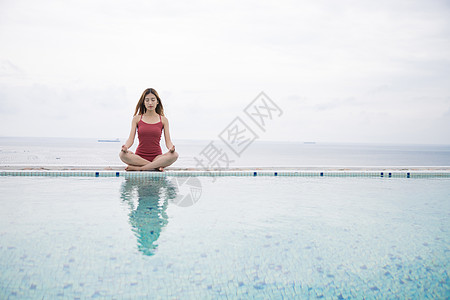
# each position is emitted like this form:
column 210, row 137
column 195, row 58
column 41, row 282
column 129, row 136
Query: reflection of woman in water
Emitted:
column 147, row 199
column 148, row 121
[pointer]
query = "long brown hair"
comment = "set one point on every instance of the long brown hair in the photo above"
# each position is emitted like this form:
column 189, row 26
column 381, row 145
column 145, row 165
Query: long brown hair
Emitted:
column 140, row 107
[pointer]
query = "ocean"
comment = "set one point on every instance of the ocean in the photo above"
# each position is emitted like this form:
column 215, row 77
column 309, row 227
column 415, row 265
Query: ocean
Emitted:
column 42, row 152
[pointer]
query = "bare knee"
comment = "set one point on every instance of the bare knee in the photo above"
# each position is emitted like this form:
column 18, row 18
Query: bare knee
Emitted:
column 123, row 155
column 175, row 155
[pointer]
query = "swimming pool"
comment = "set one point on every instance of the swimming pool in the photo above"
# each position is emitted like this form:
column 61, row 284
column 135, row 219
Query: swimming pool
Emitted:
column 262, row 237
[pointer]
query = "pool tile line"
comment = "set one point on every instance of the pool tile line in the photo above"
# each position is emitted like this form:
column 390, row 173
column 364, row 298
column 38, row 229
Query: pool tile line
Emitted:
column 252, row 173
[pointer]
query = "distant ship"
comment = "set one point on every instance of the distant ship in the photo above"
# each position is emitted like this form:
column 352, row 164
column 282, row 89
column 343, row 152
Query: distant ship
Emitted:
column 109, row 141
column 309, row 143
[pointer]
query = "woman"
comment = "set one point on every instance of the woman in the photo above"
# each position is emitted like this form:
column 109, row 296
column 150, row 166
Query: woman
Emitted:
column 149, row 121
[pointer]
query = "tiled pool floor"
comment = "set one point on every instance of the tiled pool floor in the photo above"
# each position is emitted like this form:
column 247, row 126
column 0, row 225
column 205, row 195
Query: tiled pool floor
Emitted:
column 246, row 237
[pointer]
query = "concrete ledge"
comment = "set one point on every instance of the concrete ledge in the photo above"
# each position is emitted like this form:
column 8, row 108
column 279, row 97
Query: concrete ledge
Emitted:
column 17, row 167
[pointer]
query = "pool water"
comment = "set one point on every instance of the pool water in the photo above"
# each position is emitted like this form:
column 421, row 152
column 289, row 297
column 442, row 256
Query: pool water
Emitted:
column 260, row 237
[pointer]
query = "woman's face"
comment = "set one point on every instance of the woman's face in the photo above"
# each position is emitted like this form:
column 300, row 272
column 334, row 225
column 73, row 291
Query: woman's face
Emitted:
column 150, row 101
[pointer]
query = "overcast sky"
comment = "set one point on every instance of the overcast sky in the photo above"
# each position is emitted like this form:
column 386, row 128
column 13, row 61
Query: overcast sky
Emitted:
column 341, row 71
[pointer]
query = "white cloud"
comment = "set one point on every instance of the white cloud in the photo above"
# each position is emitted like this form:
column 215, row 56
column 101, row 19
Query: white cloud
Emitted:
column 330, row 65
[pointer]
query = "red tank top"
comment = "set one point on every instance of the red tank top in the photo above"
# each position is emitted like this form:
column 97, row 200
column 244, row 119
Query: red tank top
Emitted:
column 149, row 136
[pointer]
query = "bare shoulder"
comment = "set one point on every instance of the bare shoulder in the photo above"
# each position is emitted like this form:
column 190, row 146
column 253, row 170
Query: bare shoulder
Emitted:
column 136, row 119
column 164, row 120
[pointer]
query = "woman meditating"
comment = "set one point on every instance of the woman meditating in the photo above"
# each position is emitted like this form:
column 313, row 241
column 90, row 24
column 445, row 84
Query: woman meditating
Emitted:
column 149, row 121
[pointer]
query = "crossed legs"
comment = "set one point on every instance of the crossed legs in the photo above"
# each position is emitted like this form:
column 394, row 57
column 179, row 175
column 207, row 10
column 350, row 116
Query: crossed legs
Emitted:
column 137, row 163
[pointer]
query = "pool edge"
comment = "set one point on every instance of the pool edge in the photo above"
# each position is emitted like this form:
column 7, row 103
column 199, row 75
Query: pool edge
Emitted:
column 378, row 173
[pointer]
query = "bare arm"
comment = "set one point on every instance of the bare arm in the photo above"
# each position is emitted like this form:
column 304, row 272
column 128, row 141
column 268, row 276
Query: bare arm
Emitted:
column 167, row 139
column 132, row 135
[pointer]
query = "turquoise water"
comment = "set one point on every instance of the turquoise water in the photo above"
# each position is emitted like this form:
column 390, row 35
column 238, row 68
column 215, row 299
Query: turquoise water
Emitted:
column 245, row 237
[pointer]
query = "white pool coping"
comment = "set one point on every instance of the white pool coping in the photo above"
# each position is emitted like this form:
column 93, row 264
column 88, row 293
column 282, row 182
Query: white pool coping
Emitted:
column 308, row 171
column 26, row 167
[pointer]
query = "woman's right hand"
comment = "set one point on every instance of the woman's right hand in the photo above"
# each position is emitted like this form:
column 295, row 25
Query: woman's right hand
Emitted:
column 124, row 149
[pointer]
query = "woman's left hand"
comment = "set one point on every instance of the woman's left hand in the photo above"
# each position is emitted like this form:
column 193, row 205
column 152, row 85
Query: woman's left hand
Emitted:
column 172, row 150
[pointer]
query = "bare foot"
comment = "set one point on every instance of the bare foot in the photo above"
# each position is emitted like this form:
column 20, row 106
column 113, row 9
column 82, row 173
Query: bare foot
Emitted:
column 160, row 169
column 132, row 168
